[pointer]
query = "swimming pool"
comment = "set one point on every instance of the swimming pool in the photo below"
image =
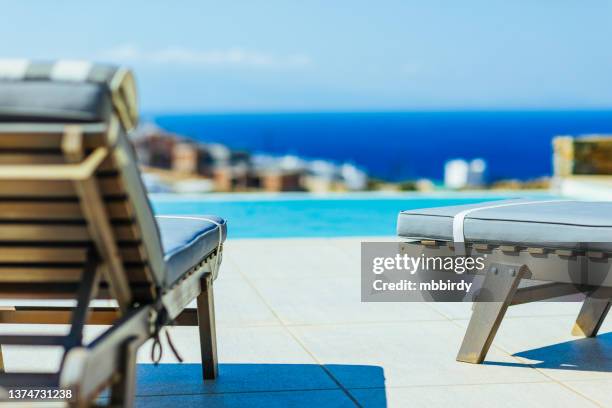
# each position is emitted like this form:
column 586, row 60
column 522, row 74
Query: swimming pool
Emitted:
column 308, row 215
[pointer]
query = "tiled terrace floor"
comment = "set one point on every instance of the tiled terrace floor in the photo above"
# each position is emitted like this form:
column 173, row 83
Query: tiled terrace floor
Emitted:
column 293, row 332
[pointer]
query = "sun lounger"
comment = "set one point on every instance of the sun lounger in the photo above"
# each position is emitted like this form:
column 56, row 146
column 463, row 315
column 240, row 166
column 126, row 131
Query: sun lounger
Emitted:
column 563, row 245
column 76, row 224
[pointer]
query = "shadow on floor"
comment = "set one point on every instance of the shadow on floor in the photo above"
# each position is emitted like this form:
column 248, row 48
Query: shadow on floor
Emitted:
column 585, row 354
column 268, row 385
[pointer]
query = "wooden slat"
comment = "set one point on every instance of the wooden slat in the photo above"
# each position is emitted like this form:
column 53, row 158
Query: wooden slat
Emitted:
column 508, row 248
column 45, row 273
column 44, row 235
column 47, row 254
column 59, row 233
column 130, row 254
column 41, row 274
column 63, row 315
column 45, row 157
column 45, row 291
column 40, row 211
column 43, row 140
column 139, row 273
column 546, row 291
column 83, row 169
column 61, row 290
column 25, row 158
column 110, row 187
column 42, row 255
column 565, row 252
column 56, row 315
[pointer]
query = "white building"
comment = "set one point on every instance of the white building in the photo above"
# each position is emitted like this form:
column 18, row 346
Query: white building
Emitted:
column 354, row 178
column 459, row 173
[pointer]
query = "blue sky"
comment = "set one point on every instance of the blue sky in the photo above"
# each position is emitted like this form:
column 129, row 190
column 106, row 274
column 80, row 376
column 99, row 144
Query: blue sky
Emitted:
column 204, row 56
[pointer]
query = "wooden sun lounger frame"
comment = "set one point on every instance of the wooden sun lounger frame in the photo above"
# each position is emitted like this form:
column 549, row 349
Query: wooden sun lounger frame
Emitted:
column 564, row 272
column 110, row 359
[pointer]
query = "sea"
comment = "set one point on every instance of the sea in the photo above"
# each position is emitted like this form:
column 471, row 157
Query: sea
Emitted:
column 399, row 146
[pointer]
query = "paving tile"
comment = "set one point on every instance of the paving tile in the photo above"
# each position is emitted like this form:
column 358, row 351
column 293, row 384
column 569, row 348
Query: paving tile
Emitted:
column 452, row 310
column 456, row 310
column 352, row 246
column 297, row 399
column 389, row 354
column 415, row 353
column 547, row 344
column 237, row 303
column 526, row 395
column 243, row 345
column 183, row 379
column 292, row 259
column 28, row 358
column 229, row 268
column 597, row 390
column 606, row 327
column 545, row 309
column 334, row 300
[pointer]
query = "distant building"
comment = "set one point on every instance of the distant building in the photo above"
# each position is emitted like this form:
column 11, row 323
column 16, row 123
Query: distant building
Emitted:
column 220, row 155
column 476, row 173
column 194, row 185
column 279, row 173
column 240, row 158
column 190, row 158
column 583, row 166
column 283, row 180
column 354, row 178
column 456, row 173
column 424, row 185
column 155, row 149
column 459, row 173
column 235, row 178
column 194, row 167
column 185, row 158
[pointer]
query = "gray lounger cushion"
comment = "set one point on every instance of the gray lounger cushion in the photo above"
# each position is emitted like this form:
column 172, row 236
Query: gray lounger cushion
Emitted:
column 545, row 222
column 38, row 101
column 62, row 91
column 187, row 241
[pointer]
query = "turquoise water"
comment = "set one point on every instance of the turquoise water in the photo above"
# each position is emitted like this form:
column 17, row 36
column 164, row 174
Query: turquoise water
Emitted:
column 303, row 215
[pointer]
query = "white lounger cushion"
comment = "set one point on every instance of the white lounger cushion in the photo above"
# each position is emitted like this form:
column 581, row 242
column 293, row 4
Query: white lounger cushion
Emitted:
column 569, row 222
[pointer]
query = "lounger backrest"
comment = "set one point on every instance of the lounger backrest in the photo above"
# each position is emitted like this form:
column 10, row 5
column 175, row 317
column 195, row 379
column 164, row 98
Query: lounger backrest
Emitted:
column 59, row 122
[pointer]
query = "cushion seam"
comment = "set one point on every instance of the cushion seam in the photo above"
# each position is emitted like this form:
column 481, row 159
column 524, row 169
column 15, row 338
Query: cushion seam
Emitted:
column 516, row 221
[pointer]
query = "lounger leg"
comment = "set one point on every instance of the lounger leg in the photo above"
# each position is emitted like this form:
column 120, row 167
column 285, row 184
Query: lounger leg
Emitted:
column 206, row 323
column 499, row 286
column 2, row 370
column 123, row 392
column 591, row 316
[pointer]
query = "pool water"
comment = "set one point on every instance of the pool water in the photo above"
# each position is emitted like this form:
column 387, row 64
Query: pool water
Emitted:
column 303, row 215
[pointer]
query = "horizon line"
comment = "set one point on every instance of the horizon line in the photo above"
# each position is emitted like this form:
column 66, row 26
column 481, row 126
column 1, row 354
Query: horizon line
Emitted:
column 187, row 112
